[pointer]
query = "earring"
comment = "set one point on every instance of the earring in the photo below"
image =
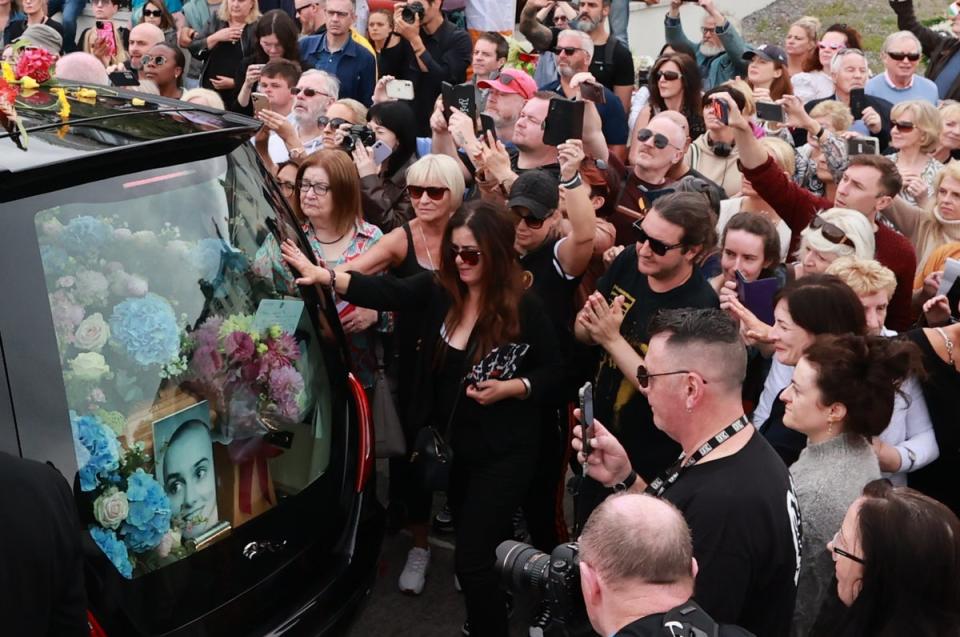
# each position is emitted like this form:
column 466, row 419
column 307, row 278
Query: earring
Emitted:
column 829, row 427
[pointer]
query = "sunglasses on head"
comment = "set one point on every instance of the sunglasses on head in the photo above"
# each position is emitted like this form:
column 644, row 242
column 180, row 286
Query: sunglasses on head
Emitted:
column 900, row 57
column 308, row 92
column 657, row 246
column 904, row 126
column 669, row 76
column 157, row 60
column 433, row 192
column 507, row 80
column 532, row 222
column 643, row 377
column 470, row 256
column 335, row 122
column 569, row 50
column 660, row 140
column 831, row 232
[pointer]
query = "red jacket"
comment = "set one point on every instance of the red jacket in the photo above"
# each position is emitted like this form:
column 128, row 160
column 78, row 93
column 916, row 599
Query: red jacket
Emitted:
column 796, row 206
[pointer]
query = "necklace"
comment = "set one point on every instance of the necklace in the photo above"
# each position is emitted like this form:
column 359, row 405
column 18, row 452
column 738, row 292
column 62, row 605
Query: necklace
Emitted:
column 426, row 247
column 334, row 242
column 948, row 344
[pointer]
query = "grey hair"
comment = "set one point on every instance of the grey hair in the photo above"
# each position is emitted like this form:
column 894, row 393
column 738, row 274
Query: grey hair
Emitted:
column 332, row 83
column 900, row 35
column 842, row 53
column 586, row 42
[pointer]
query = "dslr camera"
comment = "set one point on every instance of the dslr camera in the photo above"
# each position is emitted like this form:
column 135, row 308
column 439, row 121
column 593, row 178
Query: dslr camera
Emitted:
column 410, row 12
column 358, row 133
column 554, row 577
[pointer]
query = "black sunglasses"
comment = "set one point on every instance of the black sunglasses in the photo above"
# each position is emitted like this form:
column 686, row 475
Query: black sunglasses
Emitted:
column 470, row 256
column 643, row 377
column 569, row 50
column 831, row 232
column 668, row 75
column 899, row 57
column 335, row 122
column 158, row 60
column 309, row 92
column 153, row 13
column 532, row 222
column 659, row 247
column 434, row 192
column 660, row 140
column 906, row 127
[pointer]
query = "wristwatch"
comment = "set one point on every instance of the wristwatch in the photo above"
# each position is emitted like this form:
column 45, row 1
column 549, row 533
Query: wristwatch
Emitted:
column 628, row 482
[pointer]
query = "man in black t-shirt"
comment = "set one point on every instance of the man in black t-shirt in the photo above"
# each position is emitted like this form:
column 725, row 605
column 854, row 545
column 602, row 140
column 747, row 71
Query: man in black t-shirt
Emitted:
column 612, row 63
column 734, row 491
column 637, row 570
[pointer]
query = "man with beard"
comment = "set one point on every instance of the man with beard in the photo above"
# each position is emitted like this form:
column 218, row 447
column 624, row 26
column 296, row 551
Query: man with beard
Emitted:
column 720, row 53
column 611, row 62
column 143, row 37
column 575, row 49
column 300, row 132
column 506, row 96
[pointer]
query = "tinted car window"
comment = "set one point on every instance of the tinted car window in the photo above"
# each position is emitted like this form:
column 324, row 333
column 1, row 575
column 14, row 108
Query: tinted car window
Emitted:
column 196, row 384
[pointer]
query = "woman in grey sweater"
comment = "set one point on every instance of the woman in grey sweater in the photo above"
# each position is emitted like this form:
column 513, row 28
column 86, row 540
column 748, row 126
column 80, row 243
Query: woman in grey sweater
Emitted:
column 841, row 395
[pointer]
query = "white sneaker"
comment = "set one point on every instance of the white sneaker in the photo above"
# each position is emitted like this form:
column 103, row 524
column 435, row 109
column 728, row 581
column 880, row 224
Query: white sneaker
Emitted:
column 414, row 574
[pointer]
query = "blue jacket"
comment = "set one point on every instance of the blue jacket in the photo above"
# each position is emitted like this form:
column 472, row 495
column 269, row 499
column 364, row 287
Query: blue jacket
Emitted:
column 354, row 66
column 719, row 68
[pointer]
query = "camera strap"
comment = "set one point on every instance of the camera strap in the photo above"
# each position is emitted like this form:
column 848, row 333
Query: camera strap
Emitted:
column 668, row 477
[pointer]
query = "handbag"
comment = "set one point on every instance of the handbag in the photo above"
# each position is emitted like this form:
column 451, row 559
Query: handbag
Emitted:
column 390, row 441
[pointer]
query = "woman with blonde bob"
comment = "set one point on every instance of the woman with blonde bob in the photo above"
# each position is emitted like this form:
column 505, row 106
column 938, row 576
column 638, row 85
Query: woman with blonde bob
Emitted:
column 915, row 133
column 949, row 147
column 834, row 233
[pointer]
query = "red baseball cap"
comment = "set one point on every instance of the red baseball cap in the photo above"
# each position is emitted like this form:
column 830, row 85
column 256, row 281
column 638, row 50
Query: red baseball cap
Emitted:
column 512, row 81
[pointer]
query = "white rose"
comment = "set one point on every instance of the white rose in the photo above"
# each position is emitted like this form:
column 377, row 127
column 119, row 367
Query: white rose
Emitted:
column 111, row 508
column 89, row 366
column 92, row 333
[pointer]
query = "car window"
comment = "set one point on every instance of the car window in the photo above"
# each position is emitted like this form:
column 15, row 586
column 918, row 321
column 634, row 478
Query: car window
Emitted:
column 194, row 375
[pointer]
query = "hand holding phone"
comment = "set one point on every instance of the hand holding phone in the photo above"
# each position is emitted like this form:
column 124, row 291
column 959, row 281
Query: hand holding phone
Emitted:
column 399, row 89
column 260, row 102
column 593, row 93
column 721, row 111
column 586, row 418
column 858, row 102
column 771, row 112
column 863, row 146
column 564, row 121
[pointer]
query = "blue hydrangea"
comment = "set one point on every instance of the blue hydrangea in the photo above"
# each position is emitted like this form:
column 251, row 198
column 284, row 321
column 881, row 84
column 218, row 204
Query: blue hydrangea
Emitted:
column 97, row 450
column 85, row 234
column 146, row 329
column 54, row 260
column 149, row 516
column 114, row 549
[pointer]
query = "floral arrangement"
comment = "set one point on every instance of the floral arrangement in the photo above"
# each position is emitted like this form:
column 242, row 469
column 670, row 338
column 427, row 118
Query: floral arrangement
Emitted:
column 521, row 56
column 250, row 372
column 132, row 521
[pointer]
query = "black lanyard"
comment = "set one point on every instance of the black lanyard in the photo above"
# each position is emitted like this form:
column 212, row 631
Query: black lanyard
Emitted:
column 668, row 477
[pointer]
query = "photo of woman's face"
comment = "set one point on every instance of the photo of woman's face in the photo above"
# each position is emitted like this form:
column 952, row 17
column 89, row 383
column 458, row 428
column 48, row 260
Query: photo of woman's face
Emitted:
column 189, row 480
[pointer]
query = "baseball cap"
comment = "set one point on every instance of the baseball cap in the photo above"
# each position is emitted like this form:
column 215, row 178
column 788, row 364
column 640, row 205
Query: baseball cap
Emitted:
column 42, row 37
column 769, row 52
column 512, row 81
column 536, row 190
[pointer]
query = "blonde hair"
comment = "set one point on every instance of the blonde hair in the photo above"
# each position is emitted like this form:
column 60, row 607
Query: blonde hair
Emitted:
column 203, row 96
column 949, row 109
column 782, row 153
column 865, row 276
column 224, row 12
column 855, row 226
column 926, row 118
column 810, row 25
column 359, row 110
column 839, row 114
column 441, row 169
column 749, row 106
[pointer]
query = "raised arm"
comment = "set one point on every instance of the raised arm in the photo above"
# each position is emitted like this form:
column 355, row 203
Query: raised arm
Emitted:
column 575, row 252
column 539, row 35
column 930, row 40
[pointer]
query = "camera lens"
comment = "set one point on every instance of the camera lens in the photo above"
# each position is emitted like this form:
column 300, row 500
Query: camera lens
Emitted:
column 522, row 566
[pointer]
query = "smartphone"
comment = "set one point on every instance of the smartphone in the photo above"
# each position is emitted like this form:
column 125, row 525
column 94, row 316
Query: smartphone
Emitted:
column 487, row 125
column 399, row 89
column 463, row 97
column 593, row 93
column 757, row 296
column 380, row 151
column 446, row 96
column 863, row 146
column 771, row 112
column 721, row 111
column 123, row 78
column 260, row 102
column 586, row 416
column 564, row 121
column 105, row 33
column 858, row 102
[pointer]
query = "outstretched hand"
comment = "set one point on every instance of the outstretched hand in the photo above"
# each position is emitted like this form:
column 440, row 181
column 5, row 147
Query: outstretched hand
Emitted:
column 310, row 274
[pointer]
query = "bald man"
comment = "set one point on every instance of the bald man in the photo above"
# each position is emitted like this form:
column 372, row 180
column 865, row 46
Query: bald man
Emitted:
column 636, row 565
column 82, row 67
column 142, row 38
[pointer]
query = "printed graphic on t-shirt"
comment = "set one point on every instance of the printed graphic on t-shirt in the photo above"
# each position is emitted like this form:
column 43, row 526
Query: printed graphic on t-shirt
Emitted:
column 796, row 525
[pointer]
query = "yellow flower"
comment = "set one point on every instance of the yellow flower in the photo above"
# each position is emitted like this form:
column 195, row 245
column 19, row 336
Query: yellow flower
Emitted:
column 8, row 72
column 64, row 104
column 136, row 101
column 86, row 94
column 28, row 83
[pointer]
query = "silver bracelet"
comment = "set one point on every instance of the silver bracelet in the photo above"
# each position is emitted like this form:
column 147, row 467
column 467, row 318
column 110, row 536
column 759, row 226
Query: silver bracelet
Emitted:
column 527, row 386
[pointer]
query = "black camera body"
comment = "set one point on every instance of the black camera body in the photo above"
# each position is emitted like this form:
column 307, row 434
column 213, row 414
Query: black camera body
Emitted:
column 358, row 133
column 410, row 12
column 555, row 577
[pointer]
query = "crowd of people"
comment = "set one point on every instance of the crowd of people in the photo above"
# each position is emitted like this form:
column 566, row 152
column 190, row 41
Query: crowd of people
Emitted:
column 742, row 248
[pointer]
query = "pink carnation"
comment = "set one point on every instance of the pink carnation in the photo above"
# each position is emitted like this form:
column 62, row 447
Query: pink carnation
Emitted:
column 208, row 334
column 281, row 351
column 206, row 361
column 239, row 347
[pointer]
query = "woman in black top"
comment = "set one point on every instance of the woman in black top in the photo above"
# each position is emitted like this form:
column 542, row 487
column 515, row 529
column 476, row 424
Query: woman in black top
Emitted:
column 227, row 38
column 276, row 38
column 384, row 41
column 35, row 12
column 475, row 313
